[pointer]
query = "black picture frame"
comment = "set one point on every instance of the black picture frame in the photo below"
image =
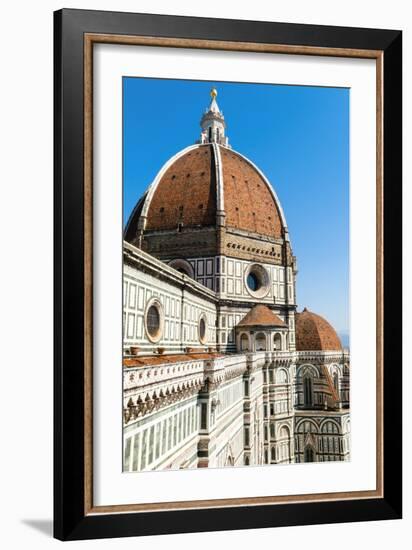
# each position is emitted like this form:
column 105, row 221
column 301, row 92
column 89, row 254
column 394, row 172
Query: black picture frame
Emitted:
column 70, row 519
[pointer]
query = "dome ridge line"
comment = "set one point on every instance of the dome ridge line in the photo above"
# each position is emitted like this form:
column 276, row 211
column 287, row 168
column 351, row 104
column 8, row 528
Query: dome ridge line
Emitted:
column 152, row 187
column 220, row 198
column 272, row 191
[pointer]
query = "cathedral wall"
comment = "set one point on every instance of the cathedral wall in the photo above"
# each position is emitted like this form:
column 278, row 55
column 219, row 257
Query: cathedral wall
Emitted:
column 326, row 434
column 256, row 417
column 278, row 408
column 181, row 242
column 184, row 414
column 236, row 297
column 251, row 247
column 224, row 411
column 317, row 375
column 232, row 282
column 340, row 375
column 227, row 433
column 181, row 302
column 228, row 278
column 165, row 439
column 212, row 411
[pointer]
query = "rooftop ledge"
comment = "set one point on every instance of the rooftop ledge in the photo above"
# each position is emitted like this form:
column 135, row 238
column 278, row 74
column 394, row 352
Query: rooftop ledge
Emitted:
column 148, row 360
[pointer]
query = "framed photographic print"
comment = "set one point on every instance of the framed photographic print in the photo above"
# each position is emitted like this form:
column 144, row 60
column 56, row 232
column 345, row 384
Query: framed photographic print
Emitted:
column 227, row 274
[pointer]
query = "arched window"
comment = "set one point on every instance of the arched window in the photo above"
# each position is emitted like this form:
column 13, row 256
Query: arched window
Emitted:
column 284, row 443
column 273, row 454
column 182, row 266
column 281, row 377
column 308, row 391
column 309, row 454
column 277, row 342
column 330, row 427
column 284, row 433
column 244, row 342
column 260, row 342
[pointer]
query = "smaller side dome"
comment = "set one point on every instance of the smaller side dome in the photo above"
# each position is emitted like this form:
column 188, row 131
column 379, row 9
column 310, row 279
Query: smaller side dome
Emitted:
column 261, row 315
column 314, row 333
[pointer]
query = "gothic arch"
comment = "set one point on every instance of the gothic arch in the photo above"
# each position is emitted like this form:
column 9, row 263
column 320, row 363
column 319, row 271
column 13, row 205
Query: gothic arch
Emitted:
column 284, row 443
column 335, row 367
column 301, row 427
column 329, row 421
column 282, row 376
column 307, row 369
column 284, row 431
column 336, row 375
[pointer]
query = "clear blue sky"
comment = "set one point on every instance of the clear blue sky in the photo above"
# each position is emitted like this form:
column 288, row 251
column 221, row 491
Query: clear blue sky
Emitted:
column 299, row 138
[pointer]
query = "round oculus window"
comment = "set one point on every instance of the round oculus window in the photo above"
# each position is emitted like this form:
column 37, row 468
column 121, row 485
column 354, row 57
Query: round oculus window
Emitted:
column 253, row 282
column 202, row 330
column 257, row 281
column 154, row 321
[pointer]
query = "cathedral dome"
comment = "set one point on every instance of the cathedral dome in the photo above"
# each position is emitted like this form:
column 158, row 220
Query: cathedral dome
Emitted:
column 208, row 185
column 206, row 180
column 314, row 333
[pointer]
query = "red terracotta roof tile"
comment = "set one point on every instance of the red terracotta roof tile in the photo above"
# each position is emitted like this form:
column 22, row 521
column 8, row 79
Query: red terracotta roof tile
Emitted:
column 249, row 203
column 314, row 333
column 261, row 315
column 148, row 360
column 186, row 193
